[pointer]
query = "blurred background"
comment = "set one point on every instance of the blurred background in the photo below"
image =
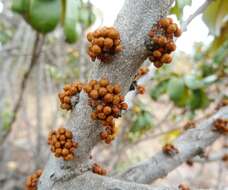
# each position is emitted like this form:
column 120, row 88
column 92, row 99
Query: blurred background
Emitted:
column 43, row 47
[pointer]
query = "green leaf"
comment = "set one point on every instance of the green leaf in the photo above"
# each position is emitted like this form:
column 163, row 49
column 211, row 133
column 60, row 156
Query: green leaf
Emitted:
column 177, row 91
column 198, row 99
column 192, row 82
column 86, row 16
column 70, row 21
column 214, row 15
column 210, row 79
column 179, row 7
column 159, row 89
column 20, row 6
column 143, row 122
column 44, row 15
column 220, row 40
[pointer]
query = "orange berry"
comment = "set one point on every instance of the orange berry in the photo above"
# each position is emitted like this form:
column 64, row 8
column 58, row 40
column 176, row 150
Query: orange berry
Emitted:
column 109, row 88
column 116, row 100
column 166, row 58
column 69, row 134
column 101, row 116
column 94, row 115
column 87, row 88
column 102, row 91
column 96, row 49
column 178, row 32
column 171, row 46
column 124, row 106
column 157, row 54
column 171, row 29
column 108, row 43
column 162, row 40
column 107, row 110
column 103, row 135
column 65, row 152
column 108, row 98
column 90, row 36
column 103, row 82
column 94, row 94
column 164, row 22
column 116, row 89
column 114, row 34
column 99, row 108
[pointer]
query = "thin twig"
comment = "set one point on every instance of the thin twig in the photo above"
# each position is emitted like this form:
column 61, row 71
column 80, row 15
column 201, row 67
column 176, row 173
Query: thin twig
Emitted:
column 195, row 14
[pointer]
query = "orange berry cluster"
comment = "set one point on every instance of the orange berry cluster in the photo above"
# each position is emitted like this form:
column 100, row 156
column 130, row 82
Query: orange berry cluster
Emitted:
column 104, row 43
column 62, row 144
column 140, row 89
column 183, row 187
column 141, row 72
column 107, row 103
column 98, row 169
column 162, row 42
column 189, row 125
column 221, row 125
column 170, row 149
column 31, row 181
column 222, row 103
column 65, row 96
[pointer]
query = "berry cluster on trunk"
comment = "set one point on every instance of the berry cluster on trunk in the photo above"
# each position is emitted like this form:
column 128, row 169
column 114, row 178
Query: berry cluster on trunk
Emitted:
column 103, row 43
column 183, row 187
column 62, row 143
column 161, row 43
column 31, row 181
column 141, row 72
column 97, row 169
column 170, row 149
column 68, row 92
column 221, row 126
column 107, row 103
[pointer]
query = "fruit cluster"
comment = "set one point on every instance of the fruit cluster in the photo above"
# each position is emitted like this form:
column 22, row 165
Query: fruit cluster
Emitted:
column 183, row 187
column 104, row 43
column 222, row 103
column 140, row 89
column 98, row 169
column 141, row 72
column 221, row 125
column 161, row 43
column 69, row 90
column 107, row 103
column 170, row 149
column 62, row 144
column 189, row 125
column 31, row 181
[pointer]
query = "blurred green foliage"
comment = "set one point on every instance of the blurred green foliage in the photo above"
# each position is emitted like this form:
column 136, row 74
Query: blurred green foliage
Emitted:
column 45, row 15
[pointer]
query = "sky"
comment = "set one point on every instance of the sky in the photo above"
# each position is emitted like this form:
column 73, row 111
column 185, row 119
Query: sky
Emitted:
column 197, row 31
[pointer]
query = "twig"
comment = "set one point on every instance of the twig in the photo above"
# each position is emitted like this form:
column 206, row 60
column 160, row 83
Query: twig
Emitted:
column 195, row 14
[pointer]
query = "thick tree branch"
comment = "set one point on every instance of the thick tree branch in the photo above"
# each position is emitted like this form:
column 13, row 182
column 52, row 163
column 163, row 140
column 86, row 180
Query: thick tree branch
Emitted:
column 90, row 181
column 133, row 22
column 189, row 145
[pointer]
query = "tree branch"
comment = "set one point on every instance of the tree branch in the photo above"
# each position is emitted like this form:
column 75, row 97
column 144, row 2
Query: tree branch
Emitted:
column 133, row 22
column 90, row 181
column 38, row 44
column 191, row 143
column 195, row 14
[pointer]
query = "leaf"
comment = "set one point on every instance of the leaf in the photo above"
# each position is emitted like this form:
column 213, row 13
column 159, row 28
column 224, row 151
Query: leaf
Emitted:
column 142, row 123
column 177, row 91
column 210, row 79
column 179, row 7
column 214, row 15
column 220, row 40
column 170, row 136
column 198, row 99
column 70, row 21
column 192, row 82
column 159, row 89
column 44, row 15
column 20, row 6
column 86, row 16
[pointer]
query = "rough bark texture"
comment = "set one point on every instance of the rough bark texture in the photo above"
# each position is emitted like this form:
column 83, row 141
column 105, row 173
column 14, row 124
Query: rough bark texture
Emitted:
column 90, row 181
column 133, row 23
column 191, row 143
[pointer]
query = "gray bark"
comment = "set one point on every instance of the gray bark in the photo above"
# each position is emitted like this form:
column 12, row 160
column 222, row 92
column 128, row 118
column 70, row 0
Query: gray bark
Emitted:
column 191, row 143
